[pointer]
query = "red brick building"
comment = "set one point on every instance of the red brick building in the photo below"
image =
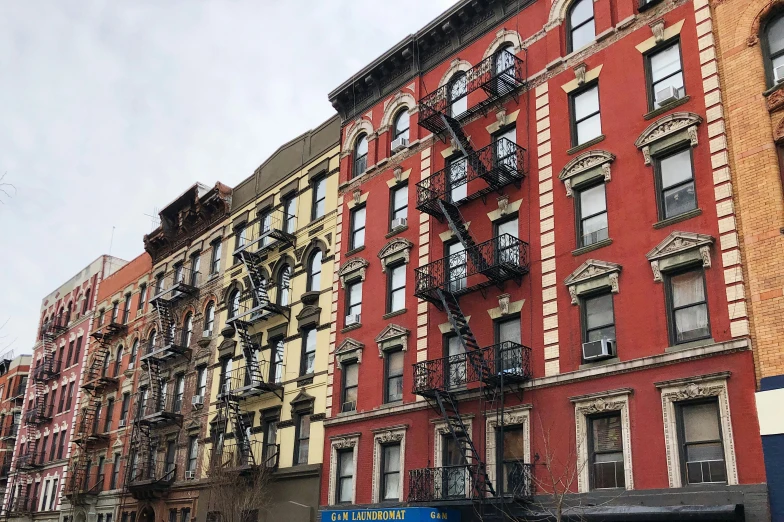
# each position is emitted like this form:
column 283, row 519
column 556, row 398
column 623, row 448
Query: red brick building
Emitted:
column 14, row 372
column 538, row 285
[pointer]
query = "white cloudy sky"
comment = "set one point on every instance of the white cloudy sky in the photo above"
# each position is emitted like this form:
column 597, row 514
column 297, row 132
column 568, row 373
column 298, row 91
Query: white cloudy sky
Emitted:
column 109, row 109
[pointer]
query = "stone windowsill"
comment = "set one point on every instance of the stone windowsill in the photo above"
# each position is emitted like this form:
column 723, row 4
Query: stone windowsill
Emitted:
column 583, row 146
column 355, row 250
column 599, row 244
column 677, row 219
column 693, row 344
column 603, row 362
column 665, row 108
column 351, row 327
column 390, row 315
column 396, row 231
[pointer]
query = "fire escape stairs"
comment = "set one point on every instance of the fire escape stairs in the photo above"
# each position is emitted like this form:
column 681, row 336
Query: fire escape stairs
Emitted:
column 236, row 420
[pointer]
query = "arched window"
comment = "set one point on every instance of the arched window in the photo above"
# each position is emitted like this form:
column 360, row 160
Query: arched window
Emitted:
column 458, row 94
column 284, row 285
column 234, row 303
column 134, row 352
column 503, row 63
column 582, row 29
column 314, row 271
column 118, row 360
column 774, row 49
column 151, row 341
column 86, row 302
column 360, row 155
column 209, row 319
column 187, row 329
column 402, row 124
column 68, row 313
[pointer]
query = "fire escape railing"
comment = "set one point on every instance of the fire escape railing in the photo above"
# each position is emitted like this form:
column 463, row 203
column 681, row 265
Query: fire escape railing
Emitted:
column 169, row 344
column 251, row 380
column 177, row 283
column 47, row 368
column 152, row 472
column 39, row 413
column 232, row 455
column 272, row 229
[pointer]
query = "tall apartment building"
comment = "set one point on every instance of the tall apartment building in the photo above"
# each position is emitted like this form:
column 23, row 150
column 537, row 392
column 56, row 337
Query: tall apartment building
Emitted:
column 39, row 467
column 749, row 45
column 539, row 303
column 95, row 486
column 270, row 378
column 14, row 372
column 168, row 424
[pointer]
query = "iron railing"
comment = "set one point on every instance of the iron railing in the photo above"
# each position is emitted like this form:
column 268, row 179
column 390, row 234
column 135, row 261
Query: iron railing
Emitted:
column 39, row 413
column 497, row 165
column 508, row 360
column 20, row 503
column 153, row 471
column 54, row 326
column 30, row 459
column 168, row 344
column 236, row 454
column 91, row 427
column 254, row 379
column 271, row 229
column 9, row 428
column 442, row 483
column 499, row 259
column 258, row 305
column 497, row 76
column 81, row 484
column 5, row 464
column 160, row 408
column 516, row 479
column 47, row 368
column 19, row 390
column 176, row 283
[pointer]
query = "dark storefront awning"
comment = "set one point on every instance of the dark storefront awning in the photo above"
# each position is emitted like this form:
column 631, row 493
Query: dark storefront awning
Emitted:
column 725, row 513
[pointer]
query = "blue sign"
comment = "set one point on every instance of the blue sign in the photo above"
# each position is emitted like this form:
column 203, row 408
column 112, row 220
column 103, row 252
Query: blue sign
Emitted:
column 409, row 514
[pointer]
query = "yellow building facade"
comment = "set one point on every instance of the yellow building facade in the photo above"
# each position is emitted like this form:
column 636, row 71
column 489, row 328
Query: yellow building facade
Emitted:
column 269, row 381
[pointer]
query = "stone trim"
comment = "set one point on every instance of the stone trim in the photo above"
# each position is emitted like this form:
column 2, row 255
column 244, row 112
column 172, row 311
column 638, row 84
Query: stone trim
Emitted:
column 581, row 77
column 677, row 219
column 457, row 65
column 696, row 388
column 590, row 275
column 504, row 36
column 357, row 198
column 394, row 250
column 660, row 34
column 678, row 248
column 380, row 438
column 575, row 171
column 515, row 416
column 506, row 307
column 349, row 350
column 503, row 120
column 392, row 336
column 587, row 405
column 349, row 441
column 395, row 104
column 352, row 268
column 684, row 123
column 359, row 125
column 587, row 144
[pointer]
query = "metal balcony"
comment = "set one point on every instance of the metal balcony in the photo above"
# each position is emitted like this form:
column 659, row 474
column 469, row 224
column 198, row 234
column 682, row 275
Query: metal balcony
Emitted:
column 170, row 344
column 54, row 327
column 275, row 229
column 5, row 464
column 9, row 429
column 80, row 484
column 30, row 460
column 39, row 414
column 507, row 362
column 448, row 483
column 89, row 429
column 158, row 412
column 483, row 171
column 252, row 381
column 177, row 284
column 490, row 263
column 47, row 368
column 488, row 81
column 98, row 378
column 257, row 306
column 151, row 477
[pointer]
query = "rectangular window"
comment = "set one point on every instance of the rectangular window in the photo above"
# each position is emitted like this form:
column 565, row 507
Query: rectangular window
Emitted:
column 586, row 118
column 127, row 309
column 53, row 500
column 100, row 317
column 99, row 473
column 354, row 302
column 78, row 350
column 193, row 453
column 61, row 404
column 179, row 392
column 126, row 404
column 115, row 471
column 350, row 386
column 665, row 76
column 195, row 267
column 107, row 426
column 201, row 381
column 171, row 456
column 239, row 241
column 455, row 478
column 308, row 351
column 216, row 256
column 599, row 318
column 319, row 198
column 270, row 427
column 53, row 447
column 591, row 215
column 276, row 360
column 46, row 495
column 115, row 311
column 390, row 472
column 457, row 265
column 455, row 362
column 675, row 180
column 688, row 306
column 345, row 494
column 605, row 452
column 397, row 289
column 61, row 447
column 702, row 448
column 70, row 396
column 398, row 205
column 513, row 477
column 357, row 222
column 185, row 515
column 302, row 441
column 508, row 338
column 224, row 383
column 393, row 390
column 172, row 515
column 70, row 354
column 289, row 214
column 142, row 296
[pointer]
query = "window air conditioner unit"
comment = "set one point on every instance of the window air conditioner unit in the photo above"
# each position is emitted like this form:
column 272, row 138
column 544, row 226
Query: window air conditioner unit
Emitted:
column 131, row 365
column 399, row 222
column 600, row 349
column 352, row 319
column 197, row 401
column 399, row 144
column 206, row 333
column 190, row 475
column 349, row 406
column 778, row 74
column 666, row 95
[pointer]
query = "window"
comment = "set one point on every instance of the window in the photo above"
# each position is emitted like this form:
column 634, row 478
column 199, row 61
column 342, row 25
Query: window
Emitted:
column 61, row 447
column 53, row 499
column 195, row 266
column 239, row 241
column 284, row 285
column 187, row 329
column 289, row 214
column 591, row 215
column 354, row 300
column 390, row 472
column 209, row 319
column 115, row 311
column 179, row 392
column 118, row 361
column 70, row 354
column 127, row 309
column 350, row 386
column 357, row 228
column 124, row 406
column 53, row 446
column 664, row 70
column 276, row 359
column 216, row 256
column 234, row 303
column 599, row 319
column 46, row 495
column 270, row 428
column 702, row 449
column 397, row 288
column 201, row 381
column 171, row 452
column 503, row 65
column 193, row 453
column 393, row 390
column 185, row 515
column 675, row 180
column 345, row 476
column 86, row 303
column 158, row 284
column 70, row 396
column 142, row 296
column 308, row 351
column 97, row 418
column 509, row 356
column 455, row 362
column 172, row 515
column 319, row 198
column 457, row 265
column 605, row 452
column 402, row 123
column 302, row 441
column 457, row 180
column 78, row 350
column 314, row 272
column 773, row 48
column 513, row 477
column 398, row 204
column 225, row 374
column 360, row 155
column 151, row 341
column 455, row 482
column 61, row 404
column 458, row 94
column 134, row 352
column 688, row 306
column 505, row 151
column 107, row 425
column 115, row 472
column 586, row 119
column 100, row 317
column 582, row 29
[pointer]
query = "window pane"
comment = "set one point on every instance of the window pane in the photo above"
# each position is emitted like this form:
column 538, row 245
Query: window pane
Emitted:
column 586, row 103
column 675, row 169
column 581, row 11
column 398, row 300
column 778, row 61
column 583, row 35
column 457, row 178
column 592, row 200
column 589, row 129
column 776, row 36
column 355, row 295
column 607, row 332
column 392, row 486
column 691, row 323
column 391, row 458
column 687, row 288
column 607, row 434
column 700, row 422
column 595, row 229
column 401, row 197
column 599, row 311
column 362, row 146
column 679, row 200
column 359, row 218
column 509, row 331
column 513, row 445
column 359, row 238
column 352, row 374
column 665, row 62
column 346, row 463
column 399, row 276
column 511, row 227
column 395, row 360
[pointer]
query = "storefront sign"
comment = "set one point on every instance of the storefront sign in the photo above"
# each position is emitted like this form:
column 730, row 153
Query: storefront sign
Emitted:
column 409, row 514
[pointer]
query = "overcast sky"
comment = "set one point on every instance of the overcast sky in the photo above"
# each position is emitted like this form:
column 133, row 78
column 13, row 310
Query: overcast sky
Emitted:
column 110, row 109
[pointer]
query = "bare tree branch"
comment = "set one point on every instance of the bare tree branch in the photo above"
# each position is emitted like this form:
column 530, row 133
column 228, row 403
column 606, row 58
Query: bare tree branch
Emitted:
column 6, row 189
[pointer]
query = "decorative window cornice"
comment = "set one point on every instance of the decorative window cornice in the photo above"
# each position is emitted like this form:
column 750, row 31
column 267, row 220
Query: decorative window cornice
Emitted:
column 675, row 245
column 342, row 442
column 598, row 273
column 356, row 266
column 587, row 161
column 665, row 127
column 393, row 435
column 349, row 350
column 391, row 336
column 398, row 248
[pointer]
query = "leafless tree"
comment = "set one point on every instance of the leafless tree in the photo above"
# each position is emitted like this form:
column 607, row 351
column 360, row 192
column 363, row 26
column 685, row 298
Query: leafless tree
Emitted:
column 7, row 190
column 236, row 494
column 5, row 339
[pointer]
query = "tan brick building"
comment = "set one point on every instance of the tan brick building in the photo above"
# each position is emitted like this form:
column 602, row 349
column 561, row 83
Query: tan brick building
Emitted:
column 750, row 41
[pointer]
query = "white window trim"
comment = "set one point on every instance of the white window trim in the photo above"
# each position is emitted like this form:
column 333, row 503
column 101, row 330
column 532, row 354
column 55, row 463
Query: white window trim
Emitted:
column 603, row 402
column 713, row 385
column 380, row 438
column 350, row 441
column 517, row 416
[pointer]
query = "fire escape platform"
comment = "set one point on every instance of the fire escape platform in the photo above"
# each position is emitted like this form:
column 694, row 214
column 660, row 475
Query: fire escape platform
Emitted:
column 100, row 384
column 161, row 419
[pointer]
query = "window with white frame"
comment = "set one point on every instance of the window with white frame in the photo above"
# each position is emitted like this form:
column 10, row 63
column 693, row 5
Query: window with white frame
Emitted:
column 343, row 467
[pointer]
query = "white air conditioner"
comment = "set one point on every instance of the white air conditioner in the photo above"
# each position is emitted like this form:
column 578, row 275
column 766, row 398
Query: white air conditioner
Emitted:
column 399, row 222
column 206, row 333
column 778, row 74
column 190, row 475
column 121, row 424
column 600, row 349
column 667, row 95
column 352, row 319
column 197, row 401
column 349, row 406
column 399, row 144
column 131, row 365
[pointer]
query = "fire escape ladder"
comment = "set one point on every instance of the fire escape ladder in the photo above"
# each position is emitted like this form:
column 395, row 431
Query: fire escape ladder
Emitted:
column 463, row 144
column 165, row 319
column 464, row 334
column 257, row 282
column 154, row 386
column 236, row 420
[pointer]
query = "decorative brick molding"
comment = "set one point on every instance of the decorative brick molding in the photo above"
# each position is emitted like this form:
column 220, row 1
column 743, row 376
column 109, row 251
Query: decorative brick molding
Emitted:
column 350, row 441
column 598, row 273
column 395, row 434
column 398, row 248
column 392, row 336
